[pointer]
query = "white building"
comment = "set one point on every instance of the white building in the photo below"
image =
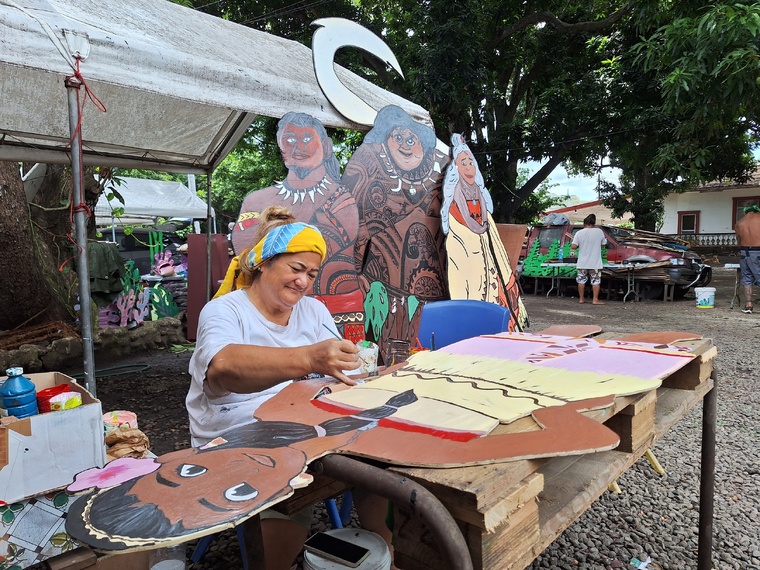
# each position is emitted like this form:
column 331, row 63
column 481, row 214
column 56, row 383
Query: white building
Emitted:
column 710, row 209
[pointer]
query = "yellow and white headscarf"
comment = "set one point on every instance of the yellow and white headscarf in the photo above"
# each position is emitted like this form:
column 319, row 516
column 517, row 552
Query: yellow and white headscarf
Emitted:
column 289, row 238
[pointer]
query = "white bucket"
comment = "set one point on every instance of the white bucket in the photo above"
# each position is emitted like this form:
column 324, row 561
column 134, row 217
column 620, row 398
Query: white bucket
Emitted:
column 379, row 555
column 705, row 297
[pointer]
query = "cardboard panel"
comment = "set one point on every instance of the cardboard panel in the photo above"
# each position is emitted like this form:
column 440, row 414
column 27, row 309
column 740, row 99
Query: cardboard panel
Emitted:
column 43, row 452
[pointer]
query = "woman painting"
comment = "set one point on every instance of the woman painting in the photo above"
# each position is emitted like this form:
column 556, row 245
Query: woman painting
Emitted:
column 254, row 341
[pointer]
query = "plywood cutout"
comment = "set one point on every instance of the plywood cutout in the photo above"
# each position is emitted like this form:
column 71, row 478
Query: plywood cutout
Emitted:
column 661, row 337
column 472, row 374
column 314, row 193
column 573, row 330
column 513, row 237
column 478, row 265
column 192, row 492
column 395, row 178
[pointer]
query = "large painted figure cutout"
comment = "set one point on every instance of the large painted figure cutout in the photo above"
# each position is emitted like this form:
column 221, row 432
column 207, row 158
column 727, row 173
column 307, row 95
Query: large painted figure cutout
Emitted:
column 395, row 177
column 315, row 195
column 438, row 410
column 478, row 264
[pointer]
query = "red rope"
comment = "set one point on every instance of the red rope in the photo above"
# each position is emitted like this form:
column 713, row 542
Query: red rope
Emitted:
column 81, row 206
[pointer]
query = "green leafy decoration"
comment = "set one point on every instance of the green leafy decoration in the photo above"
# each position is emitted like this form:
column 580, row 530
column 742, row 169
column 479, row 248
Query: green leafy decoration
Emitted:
column 8, row 512
column 162, row 303
column 14, row 552
column 63, row 541
column 376, row 309
column 412, row 303
column 60, row 499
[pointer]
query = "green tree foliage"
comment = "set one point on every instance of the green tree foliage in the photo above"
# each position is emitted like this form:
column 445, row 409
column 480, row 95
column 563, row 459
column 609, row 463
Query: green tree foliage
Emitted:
column 519, row 79
column 706, row 57
column 538, row 203
column 664, row 91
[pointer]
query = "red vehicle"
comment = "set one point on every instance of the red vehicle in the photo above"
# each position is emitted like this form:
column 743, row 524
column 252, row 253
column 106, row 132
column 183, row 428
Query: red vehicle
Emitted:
column 625, row 245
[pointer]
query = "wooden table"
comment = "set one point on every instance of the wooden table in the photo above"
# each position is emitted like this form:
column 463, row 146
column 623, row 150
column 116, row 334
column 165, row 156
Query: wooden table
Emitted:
column 510, row 512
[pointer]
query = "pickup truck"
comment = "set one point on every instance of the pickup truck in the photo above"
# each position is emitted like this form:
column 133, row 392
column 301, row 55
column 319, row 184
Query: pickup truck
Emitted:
column 662, row 259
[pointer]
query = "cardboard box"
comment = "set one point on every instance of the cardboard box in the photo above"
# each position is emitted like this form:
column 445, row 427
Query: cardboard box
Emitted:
column 43, row 453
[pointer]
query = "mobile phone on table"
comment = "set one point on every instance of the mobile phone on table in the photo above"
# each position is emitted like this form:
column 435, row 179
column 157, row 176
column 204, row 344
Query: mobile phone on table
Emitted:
column 337, row 549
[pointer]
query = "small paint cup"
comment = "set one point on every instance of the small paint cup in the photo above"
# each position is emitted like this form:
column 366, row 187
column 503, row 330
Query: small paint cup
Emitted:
column 44, row 396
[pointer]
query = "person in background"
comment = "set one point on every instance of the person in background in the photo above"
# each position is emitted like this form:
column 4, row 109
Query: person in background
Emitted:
column 252, row 342
column 589, row 242
column 748, row 236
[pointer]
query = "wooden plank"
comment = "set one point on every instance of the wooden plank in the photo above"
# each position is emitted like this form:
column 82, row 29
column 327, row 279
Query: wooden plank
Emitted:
column 673, row 404
column 470, row 492
column 572, row 484
column 513, row 541
column 522, row 494
column 634, row 424
column 322, row 488
column 693, row 374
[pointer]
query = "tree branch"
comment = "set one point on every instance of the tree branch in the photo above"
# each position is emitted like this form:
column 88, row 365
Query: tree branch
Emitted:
column 562, row 27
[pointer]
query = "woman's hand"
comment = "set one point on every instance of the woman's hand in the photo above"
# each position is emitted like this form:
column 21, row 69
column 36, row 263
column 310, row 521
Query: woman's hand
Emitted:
column 332, row 357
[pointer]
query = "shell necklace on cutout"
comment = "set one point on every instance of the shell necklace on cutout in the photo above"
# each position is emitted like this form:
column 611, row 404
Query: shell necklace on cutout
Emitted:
column 286, row 191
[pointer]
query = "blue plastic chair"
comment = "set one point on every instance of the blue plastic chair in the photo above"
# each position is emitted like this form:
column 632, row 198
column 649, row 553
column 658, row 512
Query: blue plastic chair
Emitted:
column 446, row 322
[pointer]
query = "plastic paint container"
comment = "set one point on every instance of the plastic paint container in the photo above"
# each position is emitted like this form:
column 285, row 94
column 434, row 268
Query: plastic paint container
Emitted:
column 705, row 297
column 118, row 419
column 379, row 556
column 44, row 396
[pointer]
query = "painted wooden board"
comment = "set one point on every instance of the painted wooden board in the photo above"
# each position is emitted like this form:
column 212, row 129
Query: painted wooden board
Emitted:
column 192, row 492
column 661, row 337
column 573, row 330
column 512, row 236
column 478, row 266
column 469, row 374
column 314, row 193
column 395, row 178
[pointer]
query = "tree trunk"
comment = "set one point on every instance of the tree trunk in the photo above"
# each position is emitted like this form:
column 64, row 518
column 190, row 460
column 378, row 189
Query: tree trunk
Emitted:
column 32, row 291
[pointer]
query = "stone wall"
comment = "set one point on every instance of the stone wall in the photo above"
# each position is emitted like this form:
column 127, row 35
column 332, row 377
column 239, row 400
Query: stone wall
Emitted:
column 67, row 352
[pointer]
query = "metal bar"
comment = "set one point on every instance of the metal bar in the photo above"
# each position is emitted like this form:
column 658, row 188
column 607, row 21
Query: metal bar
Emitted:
column 80, row 228
column 208, row 236
column 707, row 476
column 409, row 496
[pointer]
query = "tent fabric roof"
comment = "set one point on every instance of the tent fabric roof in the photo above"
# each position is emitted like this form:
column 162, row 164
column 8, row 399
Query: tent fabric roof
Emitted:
column 180, row 87
column 151, row 198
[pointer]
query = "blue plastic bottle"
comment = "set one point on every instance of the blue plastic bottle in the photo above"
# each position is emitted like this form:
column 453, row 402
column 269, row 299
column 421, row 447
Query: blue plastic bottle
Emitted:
column 18, row 395
column 561, row 254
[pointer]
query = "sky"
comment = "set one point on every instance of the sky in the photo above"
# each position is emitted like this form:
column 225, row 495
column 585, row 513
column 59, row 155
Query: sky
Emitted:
column 581, row 186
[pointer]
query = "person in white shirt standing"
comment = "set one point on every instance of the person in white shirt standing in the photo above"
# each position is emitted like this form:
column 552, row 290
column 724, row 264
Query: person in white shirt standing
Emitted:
column 589, row 242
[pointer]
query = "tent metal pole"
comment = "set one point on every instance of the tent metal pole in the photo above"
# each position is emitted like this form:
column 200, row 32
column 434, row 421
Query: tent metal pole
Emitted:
column 208, row 236
column 80, row 227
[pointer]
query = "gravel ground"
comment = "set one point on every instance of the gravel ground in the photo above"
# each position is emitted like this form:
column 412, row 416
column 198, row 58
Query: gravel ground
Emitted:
column 655, row 515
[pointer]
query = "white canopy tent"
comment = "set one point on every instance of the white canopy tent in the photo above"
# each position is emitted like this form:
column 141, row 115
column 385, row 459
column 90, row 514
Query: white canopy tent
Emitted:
column 145, row 200
column 179, row 87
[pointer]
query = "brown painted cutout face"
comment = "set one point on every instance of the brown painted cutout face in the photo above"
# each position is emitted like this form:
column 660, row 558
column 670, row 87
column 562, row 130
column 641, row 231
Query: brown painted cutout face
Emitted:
column 301, row 147
column 466, row 167
column 405, row 148
column 201, row 489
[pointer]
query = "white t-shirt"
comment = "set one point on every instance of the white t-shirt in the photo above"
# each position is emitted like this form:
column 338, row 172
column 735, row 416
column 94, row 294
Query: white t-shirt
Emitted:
column 233, row 319
column 589, row 242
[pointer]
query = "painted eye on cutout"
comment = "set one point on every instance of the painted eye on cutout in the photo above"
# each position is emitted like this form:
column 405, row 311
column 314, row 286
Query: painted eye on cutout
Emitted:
column 241, row 492
column 190, row 470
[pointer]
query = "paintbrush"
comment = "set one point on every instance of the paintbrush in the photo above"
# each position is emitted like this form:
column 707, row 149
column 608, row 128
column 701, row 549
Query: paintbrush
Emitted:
column 336, row 335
